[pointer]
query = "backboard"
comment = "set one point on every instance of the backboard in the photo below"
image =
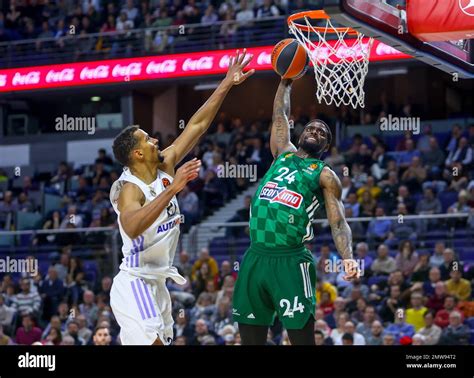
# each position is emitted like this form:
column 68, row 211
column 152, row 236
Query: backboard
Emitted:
column 386, row 20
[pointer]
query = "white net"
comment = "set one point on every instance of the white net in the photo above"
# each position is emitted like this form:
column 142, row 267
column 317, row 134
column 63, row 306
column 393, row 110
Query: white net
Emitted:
column 340, row 64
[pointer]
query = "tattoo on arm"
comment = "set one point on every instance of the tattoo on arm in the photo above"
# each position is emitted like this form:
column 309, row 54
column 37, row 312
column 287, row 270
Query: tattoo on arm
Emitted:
column 340, row 230
column 280, row 130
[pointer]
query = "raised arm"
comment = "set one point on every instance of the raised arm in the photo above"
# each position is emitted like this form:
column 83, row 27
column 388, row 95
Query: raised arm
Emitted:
column 280, row 133
column 201, row 120
column 136, row 218
column 341, row 233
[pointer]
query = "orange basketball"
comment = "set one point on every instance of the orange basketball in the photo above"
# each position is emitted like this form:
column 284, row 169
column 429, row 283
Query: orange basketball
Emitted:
column 289, row 59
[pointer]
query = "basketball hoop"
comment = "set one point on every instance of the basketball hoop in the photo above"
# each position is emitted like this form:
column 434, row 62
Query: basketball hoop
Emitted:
column 341, row 64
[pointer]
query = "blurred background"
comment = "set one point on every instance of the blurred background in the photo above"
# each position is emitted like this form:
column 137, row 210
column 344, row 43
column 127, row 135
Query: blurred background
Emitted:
column 409, row 196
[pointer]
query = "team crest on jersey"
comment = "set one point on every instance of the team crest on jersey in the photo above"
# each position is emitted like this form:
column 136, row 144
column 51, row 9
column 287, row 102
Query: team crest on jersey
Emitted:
column 165, row 182
column 313, row 166
column 171, row 209
column 273, row 193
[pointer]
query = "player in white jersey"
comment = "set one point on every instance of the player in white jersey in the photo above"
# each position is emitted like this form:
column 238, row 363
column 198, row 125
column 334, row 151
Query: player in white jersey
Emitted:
column 144, row 198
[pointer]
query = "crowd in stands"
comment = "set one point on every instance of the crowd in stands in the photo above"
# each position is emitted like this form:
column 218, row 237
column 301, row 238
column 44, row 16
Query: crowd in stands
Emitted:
column 411, row 292
column 67, row 23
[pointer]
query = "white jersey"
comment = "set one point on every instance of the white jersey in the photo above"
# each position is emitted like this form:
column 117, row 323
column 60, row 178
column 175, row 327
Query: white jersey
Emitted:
column 151, row 254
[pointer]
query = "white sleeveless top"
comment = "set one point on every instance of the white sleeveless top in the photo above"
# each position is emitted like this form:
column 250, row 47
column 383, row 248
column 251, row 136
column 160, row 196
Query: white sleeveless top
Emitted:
column 151, row 254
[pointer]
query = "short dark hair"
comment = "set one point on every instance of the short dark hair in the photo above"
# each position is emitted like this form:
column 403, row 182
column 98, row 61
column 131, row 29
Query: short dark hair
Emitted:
column 348, row 336
column 98, row 328
column 124, row 143
column 319, row 332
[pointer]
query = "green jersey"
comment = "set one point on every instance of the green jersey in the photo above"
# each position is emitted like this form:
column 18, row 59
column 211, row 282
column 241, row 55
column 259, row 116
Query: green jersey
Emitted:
column 285, row 202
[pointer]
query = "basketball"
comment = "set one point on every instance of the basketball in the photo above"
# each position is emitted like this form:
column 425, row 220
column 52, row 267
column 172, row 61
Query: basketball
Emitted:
column 289, row 59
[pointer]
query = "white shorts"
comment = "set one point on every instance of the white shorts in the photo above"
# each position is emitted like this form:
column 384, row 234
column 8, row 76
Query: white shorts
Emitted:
column 142, row 308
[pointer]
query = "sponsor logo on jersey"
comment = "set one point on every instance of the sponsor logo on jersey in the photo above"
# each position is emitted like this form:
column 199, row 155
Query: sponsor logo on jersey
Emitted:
column 165, row 182
column 313, row 166
column 273, row 193
column 168, row 225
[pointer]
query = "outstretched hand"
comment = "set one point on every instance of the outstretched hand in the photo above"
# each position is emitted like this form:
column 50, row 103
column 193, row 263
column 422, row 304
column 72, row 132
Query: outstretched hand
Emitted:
column 237, row 64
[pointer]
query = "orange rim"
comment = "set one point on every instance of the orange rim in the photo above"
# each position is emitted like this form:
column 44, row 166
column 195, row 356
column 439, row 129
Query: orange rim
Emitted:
column 316, row 15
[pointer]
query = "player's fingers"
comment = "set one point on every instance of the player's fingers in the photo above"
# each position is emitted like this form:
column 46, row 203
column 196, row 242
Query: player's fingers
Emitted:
column 236, row 58
column 231, row 61
column 248, row 73
column 246, row 61
column 242, row 57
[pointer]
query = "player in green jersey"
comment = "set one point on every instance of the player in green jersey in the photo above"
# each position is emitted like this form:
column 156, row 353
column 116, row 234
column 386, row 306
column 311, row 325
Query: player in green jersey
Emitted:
column 277, row 275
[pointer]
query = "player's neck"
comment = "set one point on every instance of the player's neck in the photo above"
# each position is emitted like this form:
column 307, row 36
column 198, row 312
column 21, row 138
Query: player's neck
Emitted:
column 305, row 155
column 145, row 172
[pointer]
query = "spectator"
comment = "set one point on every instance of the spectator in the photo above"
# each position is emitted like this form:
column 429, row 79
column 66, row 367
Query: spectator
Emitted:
column 183, row 265
column 414, row 175
column 434, row 276
column 365, row 327
column 408, row 154
column 106, row 286
column 349, row 328
column 337, row 333
column 339, row 308
column 245, row 15
column 62, row 267
column 268, row 9
column 101, row 336
column 368, row 205
column 376, row 334
column 437, row 258
column 455, row 333
column 442, row 316
column 71, row 218
column 389, row 193
column 205, row 257
column 226, row 270
column 404, row 197
column 388, row 339
column 422, row 269
column 415, row 314
column 28, row 333
column 88, row 308
column 399, row 328
column 430, row 331
column 26, row 302
column 4, row 339
column 369, row 186
column 6, row 314
column 102, row 157
column 189, row 205
column 448, row 263
column 84, row 332
column 73, row 331
column 209, row 17
column 347, row 339
column 378, row 230
column 52, row 291
column 54, row 337
column 462, row 154
column 436, row 300
column 406, row 258
column 433, row 158
column 389, row 305
column 182, row 328
column 458, row 286
column 75, row 280
column 383, row 264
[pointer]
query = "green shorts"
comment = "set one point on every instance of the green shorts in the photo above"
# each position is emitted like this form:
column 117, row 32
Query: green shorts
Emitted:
column 275, row 282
